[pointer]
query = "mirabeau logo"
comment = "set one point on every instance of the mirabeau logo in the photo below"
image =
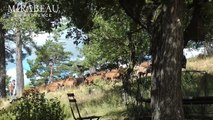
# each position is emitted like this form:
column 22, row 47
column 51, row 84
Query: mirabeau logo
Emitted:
column 33, row 7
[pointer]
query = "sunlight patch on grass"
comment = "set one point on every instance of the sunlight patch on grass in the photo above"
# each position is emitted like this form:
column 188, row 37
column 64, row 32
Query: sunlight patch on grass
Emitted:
column 101, row 98
column 4, row 103
column 205, row 64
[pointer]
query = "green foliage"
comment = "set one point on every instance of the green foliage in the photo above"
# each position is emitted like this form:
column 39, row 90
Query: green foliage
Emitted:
column 193, row 83
column 6, row 115
column 4, row 6
column 197, row 84
column 22, row 21
column 40, row 67
column 8, row 78
column 78, row 67
column 109, row 41
column 208, row 13
column 37, row 107
column 33, row 107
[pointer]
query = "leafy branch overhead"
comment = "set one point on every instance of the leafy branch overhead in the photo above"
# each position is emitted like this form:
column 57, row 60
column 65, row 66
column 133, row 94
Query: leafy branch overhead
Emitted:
column 77, row 35
column 109, row 41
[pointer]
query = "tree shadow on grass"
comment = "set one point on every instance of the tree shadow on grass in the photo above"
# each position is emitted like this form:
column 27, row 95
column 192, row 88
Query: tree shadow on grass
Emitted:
column 112, row 105
column 210, row 84
column 113, row 98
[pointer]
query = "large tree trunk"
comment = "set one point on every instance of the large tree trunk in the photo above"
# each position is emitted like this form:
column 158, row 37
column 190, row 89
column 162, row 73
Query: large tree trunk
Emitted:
column 167, row 45
column 2, row 64
column 19, row 65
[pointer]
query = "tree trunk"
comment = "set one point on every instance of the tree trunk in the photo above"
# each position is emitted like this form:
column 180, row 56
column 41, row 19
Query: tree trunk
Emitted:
column 167, row 50
column 209, row 48
column 19, row 65
column 2, row 65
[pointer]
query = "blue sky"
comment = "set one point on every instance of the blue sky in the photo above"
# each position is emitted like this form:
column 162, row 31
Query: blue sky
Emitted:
column 40, row 40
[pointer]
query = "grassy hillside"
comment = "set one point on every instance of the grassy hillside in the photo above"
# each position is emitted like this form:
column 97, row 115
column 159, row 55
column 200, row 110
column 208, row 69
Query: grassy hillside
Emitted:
column 205, row 64
column 104, row 98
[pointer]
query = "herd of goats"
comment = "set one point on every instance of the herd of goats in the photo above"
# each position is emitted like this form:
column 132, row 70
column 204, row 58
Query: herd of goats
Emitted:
column 142, row 69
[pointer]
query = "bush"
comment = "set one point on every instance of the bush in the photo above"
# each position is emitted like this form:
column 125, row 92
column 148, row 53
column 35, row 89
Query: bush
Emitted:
column 37, row 107
column 5, row 115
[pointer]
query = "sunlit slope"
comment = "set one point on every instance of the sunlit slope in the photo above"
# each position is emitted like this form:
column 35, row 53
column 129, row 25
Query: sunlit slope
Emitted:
column 205, row 64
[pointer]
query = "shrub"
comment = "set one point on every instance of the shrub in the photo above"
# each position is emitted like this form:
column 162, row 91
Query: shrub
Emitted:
column 37, row 107
column 5, row 115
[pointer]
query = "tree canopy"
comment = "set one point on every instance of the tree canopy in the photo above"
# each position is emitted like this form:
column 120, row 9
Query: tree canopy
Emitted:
column 109, row 41
column 40, row 67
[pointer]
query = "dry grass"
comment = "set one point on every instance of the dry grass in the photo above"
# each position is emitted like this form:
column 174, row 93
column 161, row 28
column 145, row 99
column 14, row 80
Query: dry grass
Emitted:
column 92, row 100
column 98, row 99
column 205, row 64
column 4, row 103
